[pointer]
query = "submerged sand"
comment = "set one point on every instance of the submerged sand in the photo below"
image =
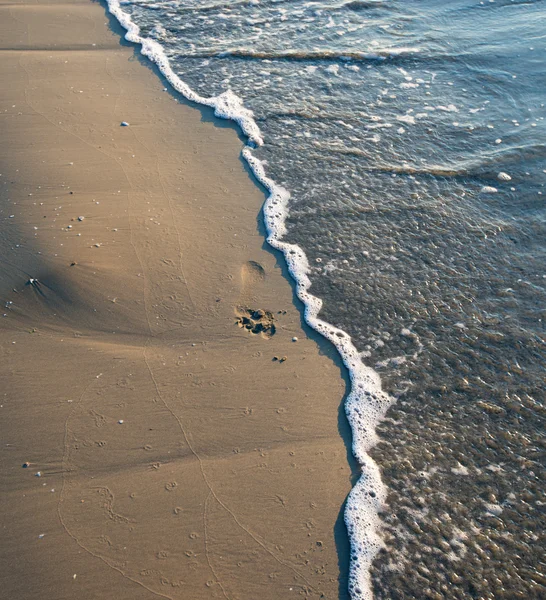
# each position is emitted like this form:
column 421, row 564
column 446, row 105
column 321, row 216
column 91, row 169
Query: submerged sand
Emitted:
column 168, row 453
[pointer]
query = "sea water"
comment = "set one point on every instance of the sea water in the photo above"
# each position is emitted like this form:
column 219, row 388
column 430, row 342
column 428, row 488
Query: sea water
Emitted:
column 403, row 145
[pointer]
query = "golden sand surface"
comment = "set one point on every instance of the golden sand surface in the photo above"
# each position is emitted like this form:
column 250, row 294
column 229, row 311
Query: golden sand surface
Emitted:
column 169, row 455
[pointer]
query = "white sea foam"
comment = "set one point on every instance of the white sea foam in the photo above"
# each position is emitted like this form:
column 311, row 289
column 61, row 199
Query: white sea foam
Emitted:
column 406, row 119
column 367, row 403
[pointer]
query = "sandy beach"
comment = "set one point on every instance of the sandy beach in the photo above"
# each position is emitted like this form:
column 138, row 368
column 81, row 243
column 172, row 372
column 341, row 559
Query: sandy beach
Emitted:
column 153, row 444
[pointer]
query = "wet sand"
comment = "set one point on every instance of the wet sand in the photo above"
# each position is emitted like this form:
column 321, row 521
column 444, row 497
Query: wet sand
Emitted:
column 169, row 455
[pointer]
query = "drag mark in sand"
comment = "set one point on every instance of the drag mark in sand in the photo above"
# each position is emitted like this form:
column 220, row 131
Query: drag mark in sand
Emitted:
column 209, row 486
column 205, row 539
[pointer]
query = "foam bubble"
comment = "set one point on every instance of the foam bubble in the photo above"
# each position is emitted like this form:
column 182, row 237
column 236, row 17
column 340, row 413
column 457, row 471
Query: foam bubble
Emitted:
column 367, row 402
column 406, row 119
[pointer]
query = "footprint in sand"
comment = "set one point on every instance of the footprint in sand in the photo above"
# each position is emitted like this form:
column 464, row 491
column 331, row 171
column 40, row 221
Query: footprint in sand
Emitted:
column 252, row 275
column 255, row 320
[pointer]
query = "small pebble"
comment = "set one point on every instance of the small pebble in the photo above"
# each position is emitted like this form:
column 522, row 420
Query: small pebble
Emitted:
column 120, row 421
column 81, row 218
column 504, row 176
column 284, row 358
column 26, row 465
column 294, row 339
column 39, row 474
column 124, row 124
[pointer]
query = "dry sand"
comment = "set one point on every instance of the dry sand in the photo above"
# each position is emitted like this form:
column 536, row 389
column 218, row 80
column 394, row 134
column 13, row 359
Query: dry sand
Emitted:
column 177, row 459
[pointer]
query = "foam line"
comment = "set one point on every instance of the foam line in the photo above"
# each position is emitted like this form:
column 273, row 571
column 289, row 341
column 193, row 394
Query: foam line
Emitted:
column 367, row 403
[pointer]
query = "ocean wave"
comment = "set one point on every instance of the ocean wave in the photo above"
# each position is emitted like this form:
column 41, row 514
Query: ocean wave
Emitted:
column 302, row 55
column 355, row 5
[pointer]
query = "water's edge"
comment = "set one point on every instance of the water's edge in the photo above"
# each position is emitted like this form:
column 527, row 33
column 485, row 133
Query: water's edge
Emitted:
column 366, row 403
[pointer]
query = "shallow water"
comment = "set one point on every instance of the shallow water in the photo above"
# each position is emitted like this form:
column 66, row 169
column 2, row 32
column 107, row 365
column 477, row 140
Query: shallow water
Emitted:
column 411, row 138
